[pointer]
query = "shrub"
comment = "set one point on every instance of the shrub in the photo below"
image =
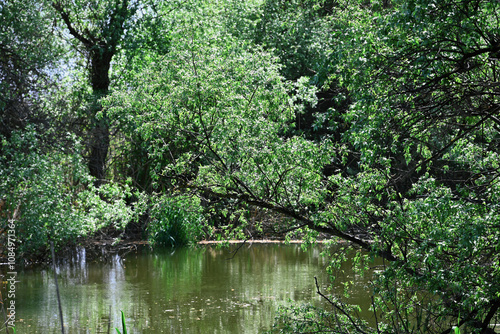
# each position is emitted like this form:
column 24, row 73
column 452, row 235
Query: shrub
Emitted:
column 49, row 195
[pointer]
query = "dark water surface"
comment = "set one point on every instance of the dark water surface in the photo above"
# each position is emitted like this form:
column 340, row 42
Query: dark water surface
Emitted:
column 187, row 290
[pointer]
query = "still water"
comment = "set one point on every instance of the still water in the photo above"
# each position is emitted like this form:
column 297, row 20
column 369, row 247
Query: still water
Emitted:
column 191, row 290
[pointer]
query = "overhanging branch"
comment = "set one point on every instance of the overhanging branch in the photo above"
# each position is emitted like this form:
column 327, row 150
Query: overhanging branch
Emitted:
column 331, row 230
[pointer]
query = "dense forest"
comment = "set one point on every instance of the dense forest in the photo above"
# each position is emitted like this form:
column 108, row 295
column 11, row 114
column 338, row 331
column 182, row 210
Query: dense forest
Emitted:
column 375, row 123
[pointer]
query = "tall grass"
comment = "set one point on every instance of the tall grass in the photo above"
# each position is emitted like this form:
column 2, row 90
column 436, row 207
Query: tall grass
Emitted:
column 175, row 222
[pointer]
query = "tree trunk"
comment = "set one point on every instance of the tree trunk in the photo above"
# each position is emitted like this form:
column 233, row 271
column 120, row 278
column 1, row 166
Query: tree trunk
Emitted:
column 99, row 135
column 99, row 145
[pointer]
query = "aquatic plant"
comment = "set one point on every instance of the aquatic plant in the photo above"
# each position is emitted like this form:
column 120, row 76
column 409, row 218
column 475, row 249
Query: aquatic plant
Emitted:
column 174, row 223
column 124, row 326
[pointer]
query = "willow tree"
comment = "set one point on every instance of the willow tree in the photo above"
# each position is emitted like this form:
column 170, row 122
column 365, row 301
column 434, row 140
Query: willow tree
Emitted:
column 97, row 29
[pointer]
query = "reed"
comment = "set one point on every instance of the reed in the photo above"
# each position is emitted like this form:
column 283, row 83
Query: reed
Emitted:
column 124, row 326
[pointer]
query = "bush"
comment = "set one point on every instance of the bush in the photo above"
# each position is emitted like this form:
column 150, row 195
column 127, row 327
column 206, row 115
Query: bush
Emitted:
column 306, row 318
column 49, row 195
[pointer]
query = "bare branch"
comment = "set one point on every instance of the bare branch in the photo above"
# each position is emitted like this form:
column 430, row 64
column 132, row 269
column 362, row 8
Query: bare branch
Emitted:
column 358, row 329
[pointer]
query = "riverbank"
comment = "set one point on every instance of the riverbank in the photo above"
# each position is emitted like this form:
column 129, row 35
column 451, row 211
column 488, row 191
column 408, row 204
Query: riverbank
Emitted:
column 256, row 241
column 110, row 241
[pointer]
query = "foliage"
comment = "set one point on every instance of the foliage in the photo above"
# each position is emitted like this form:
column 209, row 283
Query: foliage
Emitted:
column 300, row 33
column 424, row 129
column 412, row 170
column 48, row 196
column 175, row 222
column 305, row 35
column 307, row 318
column 28, row 51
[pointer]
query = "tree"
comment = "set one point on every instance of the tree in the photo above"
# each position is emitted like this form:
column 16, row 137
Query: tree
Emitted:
column 98, row 27
column 46, row 190
column 303, row 34
column 425, row 125
column 197, row 107
column 28, row 51
column 300, row 33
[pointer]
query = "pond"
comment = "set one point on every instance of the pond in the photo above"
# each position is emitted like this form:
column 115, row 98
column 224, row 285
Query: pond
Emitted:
column 189, row 290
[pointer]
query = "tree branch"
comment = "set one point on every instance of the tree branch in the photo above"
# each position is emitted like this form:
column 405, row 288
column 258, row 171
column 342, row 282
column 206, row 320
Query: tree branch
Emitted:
column 331, row 230
column 65, row 16
column 359, row 330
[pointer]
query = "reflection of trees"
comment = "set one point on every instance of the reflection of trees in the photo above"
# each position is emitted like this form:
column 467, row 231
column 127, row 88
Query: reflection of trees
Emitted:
column 230, row 294
column 177, row 290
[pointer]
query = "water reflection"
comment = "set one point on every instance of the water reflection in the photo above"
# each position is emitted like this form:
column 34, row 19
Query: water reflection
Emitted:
column 181, row 291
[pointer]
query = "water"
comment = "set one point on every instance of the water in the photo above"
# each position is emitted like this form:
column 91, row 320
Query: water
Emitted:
column 205, row 290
